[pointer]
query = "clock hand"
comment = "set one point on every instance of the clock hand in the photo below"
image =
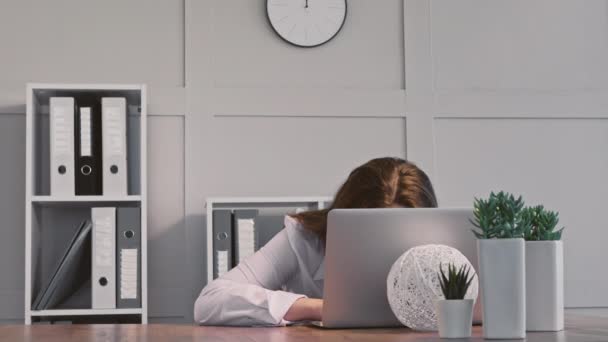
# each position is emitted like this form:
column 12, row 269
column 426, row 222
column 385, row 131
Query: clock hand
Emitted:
column 306, row 4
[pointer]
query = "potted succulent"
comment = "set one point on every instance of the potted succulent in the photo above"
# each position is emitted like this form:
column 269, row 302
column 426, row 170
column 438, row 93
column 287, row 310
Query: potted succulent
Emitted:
column 501, row 252
column 544, row 270
column 454, row 313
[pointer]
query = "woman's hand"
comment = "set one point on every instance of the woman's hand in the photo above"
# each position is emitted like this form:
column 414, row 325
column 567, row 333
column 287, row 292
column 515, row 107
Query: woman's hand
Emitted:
column 305, row 309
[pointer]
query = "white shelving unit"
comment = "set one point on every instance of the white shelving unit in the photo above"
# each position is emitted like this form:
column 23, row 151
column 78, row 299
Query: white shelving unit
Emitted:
column 314, row 202
column 48, row 218
column 86, row 312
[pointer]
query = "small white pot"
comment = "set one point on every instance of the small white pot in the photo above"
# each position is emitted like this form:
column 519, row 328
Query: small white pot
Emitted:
column 454, row 317
column 502, row 273
column 544, row 285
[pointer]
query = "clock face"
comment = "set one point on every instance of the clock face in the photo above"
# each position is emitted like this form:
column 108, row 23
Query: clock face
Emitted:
column 306, row 23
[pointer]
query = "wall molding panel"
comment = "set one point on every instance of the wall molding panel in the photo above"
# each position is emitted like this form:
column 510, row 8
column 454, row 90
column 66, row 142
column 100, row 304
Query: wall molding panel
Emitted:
column 162, row 100
column 401, row 73
column 553, row 161
column 305, row 102
column 587, row 103
column 12, row 305
column 218, row 97
column 539, row 120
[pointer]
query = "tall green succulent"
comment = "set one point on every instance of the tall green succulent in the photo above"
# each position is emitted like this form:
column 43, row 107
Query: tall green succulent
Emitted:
column 456, row 284
column 542, row 223
column 499, row 217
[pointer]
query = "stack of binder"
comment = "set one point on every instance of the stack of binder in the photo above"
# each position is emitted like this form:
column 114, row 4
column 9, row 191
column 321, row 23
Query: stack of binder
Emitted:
column 116, row 268
column 88, row 140
column 235, row 238
column 239, row 233
column 101, row 267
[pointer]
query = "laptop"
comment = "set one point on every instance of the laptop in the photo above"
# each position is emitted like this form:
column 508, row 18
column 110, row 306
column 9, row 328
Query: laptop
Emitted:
column 363, row 244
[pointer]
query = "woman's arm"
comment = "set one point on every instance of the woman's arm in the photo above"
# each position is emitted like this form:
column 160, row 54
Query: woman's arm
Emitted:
column 305, row 309
column 250, row 293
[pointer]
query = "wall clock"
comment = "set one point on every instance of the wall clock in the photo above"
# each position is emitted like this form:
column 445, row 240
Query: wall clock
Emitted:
column 306, row 23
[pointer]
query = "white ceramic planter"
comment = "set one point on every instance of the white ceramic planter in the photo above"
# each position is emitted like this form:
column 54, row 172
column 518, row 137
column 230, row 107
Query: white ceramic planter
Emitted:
column 502, row 274
column 454, row 317
column 544, row 285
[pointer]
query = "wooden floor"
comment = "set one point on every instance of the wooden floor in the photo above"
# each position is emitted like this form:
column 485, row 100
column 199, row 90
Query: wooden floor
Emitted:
column 578, row 329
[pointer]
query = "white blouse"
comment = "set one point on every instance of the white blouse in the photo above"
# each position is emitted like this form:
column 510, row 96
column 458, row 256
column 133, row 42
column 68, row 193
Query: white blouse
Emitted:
column 262, row 288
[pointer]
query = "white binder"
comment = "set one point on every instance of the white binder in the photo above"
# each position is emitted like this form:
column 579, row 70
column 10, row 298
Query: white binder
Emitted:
column 114, row 137
column 103, row 271
column 61, row 124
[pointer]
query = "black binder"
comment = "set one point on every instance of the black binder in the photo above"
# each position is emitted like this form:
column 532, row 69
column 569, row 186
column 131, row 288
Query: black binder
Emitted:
column 222, row 242
column 72, row 271
column 88, row 162
column 128, row 258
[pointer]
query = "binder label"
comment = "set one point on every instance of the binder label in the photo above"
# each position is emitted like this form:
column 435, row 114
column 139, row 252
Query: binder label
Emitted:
column 62, row 133
column 221, row 258
column 128, row 273
column 114, row 127
column 104, row 234
column 85, row 132
column 246, row 243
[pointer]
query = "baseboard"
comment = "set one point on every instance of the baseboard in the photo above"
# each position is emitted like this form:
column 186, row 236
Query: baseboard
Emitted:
column 593, row 312
column 166, row 302
column 11, row 308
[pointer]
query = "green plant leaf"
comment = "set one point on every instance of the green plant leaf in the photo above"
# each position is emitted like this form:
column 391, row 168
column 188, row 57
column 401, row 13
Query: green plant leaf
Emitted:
column 542, row 223
column 499, row 216
column 456, row 283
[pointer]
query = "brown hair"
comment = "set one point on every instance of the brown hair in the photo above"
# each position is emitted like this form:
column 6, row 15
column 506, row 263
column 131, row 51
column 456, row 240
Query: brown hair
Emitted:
column 379, row 183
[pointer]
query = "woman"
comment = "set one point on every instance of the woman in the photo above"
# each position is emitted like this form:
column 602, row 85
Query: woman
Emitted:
column 283, row 281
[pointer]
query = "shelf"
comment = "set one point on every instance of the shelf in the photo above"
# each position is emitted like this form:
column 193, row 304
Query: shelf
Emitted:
column 283, row 204
column 84, row 200
column 283, row 201
column 44, row 91
column 52, row 219
column 85, row 312
column 83, row 86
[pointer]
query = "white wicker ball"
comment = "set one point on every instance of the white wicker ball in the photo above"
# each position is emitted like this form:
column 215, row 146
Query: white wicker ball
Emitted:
column 413, row 286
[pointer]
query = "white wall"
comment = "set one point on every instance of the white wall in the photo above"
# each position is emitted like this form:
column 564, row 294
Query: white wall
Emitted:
column 236, row 111
column 266, row 118
column 136, row 41
column 513, row 95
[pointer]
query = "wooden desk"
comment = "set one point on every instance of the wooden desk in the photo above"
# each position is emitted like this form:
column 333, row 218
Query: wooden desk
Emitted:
column 578, row 329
